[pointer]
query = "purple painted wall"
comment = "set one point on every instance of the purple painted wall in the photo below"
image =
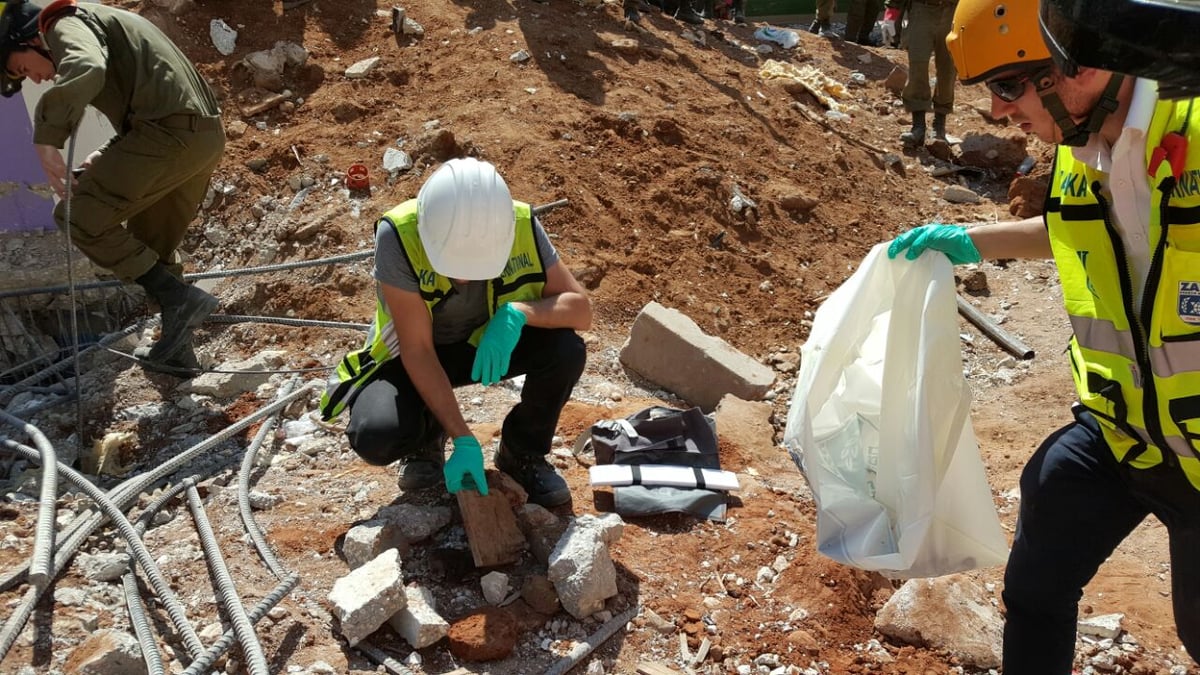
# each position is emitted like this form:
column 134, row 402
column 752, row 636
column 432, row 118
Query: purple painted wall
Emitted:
column 20, row 208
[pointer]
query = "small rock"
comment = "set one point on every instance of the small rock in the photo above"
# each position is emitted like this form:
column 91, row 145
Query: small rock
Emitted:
column 957, row 194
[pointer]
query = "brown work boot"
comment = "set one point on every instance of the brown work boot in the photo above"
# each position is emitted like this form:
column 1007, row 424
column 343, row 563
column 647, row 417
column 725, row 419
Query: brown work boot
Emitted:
column 424, row 469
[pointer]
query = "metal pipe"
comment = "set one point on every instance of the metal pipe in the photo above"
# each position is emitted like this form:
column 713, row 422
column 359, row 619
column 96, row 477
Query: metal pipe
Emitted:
column 243, row 491
column 41, row 562
column 227, row 595
column 989, row 328
column 593, row 641
column 125, row 493
column 204, row 663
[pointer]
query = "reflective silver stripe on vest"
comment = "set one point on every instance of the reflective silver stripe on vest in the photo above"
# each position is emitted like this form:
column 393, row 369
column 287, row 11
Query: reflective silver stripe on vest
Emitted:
column 1100, row 335
column 1172, row 358
column 1178, row 444
column 1175, row 358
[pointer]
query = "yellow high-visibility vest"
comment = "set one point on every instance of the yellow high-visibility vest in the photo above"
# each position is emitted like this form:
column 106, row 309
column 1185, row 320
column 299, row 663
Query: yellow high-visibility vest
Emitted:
column 1137, row 371
column 523, row 278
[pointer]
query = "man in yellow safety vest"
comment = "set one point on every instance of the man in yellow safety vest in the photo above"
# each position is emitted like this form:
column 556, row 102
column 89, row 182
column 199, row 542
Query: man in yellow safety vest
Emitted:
column 1122, row 222
column 469, row 289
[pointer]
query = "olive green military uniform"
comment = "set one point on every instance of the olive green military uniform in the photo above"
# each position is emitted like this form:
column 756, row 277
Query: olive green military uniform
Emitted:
column 153, row 174
column 929, row 21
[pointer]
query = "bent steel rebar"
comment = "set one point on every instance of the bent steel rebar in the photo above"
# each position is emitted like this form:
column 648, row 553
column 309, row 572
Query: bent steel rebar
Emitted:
column 227, row 595
column 174, row 609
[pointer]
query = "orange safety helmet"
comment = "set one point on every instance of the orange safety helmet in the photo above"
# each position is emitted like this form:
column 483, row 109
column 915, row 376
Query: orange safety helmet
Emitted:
column 991, row 36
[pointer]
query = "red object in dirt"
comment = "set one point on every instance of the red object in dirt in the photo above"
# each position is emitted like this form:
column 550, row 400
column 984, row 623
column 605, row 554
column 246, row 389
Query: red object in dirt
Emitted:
column 357, row 177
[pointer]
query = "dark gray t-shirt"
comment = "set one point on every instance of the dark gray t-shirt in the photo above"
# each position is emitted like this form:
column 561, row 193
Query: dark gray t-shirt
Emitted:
column 456, row 317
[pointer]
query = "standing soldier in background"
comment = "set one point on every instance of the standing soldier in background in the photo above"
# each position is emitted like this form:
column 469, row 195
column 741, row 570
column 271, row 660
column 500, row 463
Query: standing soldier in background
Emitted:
column 929, row 23
column 823, row 22
column 151, row 176
column 860, row 20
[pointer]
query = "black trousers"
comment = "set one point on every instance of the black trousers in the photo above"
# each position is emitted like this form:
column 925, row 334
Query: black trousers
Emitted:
column 389, row 419
column 1077, row 504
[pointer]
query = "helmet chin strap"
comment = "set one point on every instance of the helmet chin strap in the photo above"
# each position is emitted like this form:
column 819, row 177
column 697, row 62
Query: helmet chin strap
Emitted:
column 1076, row 135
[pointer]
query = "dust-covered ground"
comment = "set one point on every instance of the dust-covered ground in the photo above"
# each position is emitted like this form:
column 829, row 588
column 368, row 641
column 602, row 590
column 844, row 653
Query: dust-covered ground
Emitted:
column 648, row 134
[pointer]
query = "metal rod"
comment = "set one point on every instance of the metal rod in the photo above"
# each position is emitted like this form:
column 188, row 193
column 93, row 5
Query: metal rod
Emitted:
column 204, row 663
column 243, row 489
column 582, row 649
column 382, row 658
column 989, row 328
column 124, row 494
column 174, row 608
column 539, row 210
column 227, row 595
column 41, row 566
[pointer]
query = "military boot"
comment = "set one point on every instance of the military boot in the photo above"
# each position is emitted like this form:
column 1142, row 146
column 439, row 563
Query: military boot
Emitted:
column 939, row 127
column 630, row 9
column 739, row 11
column 184, row 364
column 915, row 137
column 686, row 14
column 183, row 307
column 543, row 484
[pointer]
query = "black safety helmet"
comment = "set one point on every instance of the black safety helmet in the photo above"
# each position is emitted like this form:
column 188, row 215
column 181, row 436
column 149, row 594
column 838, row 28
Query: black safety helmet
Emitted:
column 18, row 25
column 1155, row 39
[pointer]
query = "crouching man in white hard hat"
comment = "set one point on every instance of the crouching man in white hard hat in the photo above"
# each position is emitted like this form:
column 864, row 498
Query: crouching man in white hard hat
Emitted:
column 469, row 289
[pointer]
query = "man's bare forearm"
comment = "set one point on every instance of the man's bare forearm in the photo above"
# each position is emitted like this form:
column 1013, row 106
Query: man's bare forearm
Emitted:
column 565, row 310
column 1016, row 239
column 433, row 385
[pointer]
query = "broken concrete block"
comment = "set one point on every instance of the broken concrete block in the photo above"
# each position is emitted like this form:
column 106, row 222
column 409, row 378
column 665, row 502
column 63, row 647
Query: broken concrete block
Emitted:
column 669, row 349
column 368, row 596
column 581, row 565
column 419, row 623
column 1103, row 626
column 950, row 613
column 365, row 541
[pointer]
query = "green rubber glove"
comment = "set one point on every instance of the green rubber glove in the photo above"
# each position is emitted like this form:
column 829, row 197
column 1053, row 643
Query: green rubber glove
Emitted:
column 495, row 348
column 466, row 462
column 949, row 239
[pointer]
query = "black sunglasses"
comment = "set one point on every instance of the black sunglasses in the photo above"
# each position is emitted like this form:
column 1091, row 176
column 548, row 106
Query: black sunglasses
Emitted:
column 1011, row 88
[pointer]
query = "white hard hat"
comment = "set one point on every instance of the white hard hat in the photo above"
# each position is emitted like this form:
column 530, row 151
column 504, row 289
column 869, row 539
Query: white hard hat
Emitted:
column 465, row 220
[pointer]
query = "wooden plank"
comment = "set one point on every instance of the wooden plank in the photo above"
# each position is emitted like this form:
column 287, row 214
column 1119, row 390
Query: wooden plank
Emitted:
column 491, row 527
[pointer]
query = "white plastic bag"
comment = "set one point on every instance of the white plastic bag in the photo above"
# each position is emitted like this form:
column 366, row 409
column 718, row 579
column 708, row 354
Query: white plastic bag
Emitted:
column 880, row 426
column 782, row 36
